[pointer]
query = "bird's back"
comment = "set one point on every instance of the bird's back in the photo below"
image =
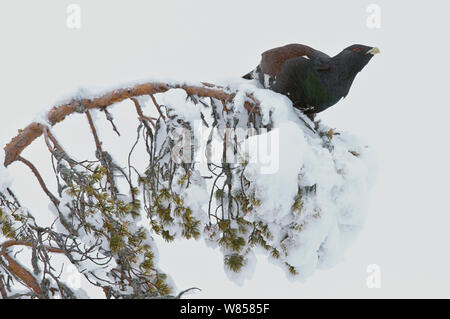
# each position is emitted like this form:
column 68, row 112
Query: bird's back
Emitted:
column 272, row 60
column 300, row 80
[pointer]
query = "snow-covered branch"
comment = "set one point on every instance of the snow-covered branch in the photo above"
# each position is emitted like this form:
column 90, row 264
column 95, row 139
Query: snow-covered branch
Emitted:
column 235, row 165
column 58, row 113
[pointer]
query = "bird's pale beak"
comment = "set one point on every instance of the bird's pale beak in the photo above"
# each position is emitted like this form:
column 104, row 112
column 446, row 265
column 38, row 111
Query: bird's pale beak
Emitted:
column 373, row 51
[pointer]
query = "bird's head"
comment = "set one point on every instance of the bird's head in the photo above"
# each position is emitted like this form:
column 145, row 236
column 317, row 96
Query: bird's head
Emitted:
column 357, row 56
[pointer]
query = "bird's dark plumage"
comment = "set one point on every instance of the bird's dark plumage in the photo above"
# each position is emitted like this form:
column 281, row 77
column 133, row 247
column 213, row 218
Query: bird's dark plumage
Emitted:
column 312, row 80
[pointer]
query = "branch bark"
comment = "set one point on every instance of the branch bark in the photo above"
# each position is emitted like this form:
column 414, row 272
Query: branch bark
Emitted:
column 23, row 274
column 11, row 243
column 58, row 113
column 3, row 292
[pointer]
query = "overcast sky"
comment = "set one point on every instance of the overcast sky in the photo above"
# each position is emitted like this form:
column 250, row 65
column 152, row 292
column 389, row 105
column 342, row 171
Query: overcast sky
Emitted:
column 398, row 104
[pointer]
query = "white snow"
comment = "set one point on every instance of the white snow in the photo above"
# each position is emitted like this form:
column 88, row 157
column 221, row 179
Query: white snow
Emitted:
column 92, row 91
column 5, row 177
column 277, row 168
column 289, row 157
column 334, row 212
column 175, row 100
column 239, row 278
column 334, row 173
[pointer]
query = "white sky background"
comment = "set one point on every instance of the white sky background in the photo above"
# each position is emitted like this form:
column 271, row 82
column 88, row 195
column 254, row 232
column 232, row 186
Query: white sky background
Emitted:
column 398, row 104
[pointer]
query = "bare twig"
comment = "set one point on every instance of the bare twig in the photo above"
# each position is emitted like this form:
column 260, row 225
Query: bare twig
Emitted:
column 100, row 151
column 40, row 180
column 10, row 243
column 110, row 120
column 142, row 117
column 158, row 107
column 3, row 289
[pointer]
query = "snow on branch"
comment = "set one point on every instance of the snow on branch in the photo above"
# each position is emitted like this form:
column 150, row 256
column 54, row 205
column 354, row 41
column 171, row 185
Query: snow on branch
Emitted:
column 235, row 165
column 58, row 113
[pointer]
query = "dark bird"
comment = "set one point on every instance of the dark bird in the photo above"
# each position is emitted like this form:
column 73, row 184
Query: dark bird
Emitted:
column 312, row 80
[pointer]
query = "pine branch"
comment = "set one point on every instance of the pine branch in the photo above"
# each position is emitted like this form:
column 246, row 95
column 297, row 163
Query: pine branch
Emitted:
column 58, row 113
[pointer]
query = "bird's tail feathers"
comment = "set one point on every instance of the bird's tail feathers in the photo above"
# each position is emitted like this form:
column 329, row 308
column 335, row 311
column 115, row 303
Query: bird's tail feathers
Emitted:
column 253, row 74
column 248, row 76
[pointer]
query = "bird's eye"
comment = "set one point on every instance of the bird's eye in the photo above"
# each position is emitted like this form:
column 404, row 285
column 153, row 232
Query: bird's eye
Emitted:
column 356, row 49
